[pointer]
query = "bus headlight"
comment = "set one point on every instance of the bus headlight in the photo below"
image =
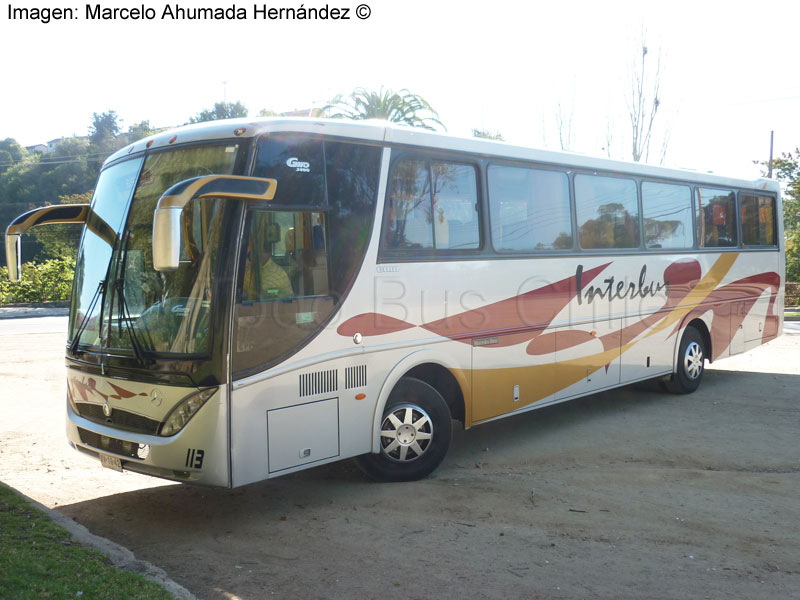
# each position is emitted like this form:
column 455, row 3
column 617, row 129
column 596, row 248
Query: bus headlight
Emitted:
column 180, row 415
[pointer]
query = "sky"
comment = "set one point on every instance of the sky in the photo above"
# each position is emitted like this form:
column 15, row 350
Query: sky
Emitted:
column 727, row 69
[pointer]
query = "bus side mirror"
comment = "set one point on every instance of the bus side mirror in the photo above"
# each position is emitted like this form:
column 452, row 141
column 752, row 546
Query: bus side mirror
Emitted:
column 13, row 251
column 46, row 215
column 167, row 217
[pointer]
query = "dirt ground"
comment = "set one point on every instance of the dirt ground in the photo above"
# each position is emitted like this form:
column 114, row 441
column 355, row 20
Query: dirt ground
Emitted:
column 626, row 494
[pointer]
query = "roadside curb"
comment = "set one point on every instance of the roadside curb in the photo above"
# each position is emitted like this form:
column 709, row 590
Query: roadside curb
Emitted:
column 119, row 556
column 26, row 312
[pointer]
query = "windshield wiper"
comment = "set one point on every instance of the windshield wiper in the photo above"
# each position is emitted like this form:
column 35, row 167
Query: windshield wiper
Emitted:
column 124, row 314
column 123, row 310
column 101, row 291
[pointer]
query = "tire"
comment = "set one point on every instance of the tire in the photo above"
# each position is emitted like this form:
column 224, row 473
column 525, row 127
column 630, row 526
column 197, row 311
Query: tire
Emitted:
column 415, row 434
column 691, row 364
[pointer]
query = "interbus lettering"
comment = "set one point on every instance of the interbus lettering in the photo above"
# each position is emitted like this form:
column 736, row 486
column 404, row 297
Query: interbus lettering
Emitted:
column 619, row 291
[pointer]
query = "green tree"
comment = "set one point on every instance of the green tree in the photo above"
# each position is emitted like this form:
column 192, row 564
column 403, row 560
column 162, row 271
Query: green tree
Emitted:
column 74, row 148
column 786, row 169
column 266, row 112
column 6, row 160
column 15, row 151
column 104, row 133
column 39, row 180
column 61, row 241
column 49, row 281
column 397, row 107
column 71, row 168
column 140, row 131
column 11, row 153
column 221, row 110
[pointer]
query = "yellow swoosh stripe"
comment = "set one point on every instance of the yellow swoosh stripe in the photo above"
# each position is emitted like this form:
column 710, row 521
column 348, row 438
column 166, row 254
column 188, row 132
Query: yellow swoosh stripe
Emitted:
column 701, row 291
column 541, row 381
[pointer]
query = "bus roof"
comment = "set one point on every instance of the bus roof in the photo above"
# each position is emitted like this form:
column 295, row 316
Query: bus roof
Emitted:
column 378, row 131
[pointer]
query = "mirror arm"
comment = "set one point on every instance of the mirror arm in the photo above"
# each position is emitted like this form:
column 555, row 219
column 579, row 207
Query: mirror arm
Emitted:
column 46, row 215
column 167, row 217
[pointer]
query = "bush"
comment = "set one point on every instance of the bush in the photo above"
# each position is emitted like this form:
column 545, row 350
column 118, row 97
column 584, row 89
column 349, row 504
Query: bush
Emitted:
column 792, row 294
column 50, row 281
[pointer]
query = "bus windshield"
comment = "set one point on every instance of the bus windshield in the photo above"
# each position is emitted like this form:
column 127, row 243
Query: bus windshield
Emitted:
column 121, row 302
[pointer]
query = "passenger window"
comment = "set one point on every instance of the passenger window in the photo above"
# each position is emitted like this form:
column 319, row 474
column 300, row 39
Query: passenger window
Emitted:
column 608, row 212
column 408, row 223
column 667, row 213
column 529, row 209
column 433, row 205
column 758, row 220
column 455, row 206
column 716, row 218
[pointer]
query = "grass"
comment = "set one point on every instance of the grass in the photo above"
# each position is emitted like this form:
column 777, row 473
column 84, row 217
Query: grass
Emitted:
column 38, row 559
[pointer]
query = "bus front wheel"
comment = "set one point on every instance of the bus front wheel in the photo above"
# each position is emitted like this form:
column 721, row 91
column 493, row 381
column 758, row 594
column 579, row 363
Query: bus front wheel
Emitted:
column 691, row 364
column 414, row 436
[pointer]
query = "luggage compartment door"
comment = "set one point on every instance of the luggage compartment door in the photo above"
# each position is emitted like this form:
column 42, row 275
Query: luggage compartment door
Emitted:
column 303, row 434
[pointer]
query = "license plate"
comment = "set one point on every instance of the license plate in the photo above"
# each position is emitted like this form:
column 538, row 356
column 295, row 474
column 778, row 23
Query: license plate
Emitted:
column 111, row 462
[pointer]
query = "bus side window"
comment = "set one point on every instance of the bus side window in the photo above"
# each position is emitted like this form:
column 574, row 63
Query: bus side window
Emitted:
column 455, row 206
column 667, row 216
column 758, row 220
column 432, row 205
column 608, row 212
column 716, row 218
column 529, row 209
column 408, row 222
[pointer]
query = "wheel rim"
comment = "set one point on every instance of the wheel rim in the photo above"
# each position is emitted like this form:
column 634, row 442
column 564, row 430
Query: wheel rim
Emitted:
column 693, row 360
column 406, row 433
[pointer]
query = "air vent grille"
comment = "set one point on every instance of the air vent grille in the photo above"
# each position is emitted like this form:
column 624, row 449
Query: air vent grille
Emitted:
column 319, row 382
column 355, row 377
column 120, row 419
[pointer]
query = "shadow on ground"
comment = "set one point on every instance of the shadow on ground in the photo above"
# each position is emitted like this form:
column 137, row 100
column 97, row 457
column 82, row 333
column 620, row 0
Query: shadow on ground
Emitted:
column 622, row 494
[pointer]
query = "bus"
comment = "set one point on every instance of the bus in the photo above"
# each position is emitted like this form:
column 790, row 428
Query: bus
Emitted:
column 256, row 297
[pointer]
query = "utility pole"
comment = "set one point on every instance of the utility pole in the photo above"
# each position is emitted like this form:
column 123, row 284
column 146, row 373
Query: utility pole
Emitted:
column 225, row 92
column 771, row 140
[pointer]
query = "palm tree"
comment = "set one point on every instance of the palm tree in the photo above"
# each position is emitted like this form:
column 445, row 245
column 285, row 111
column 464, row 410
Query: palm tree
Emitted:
column 397, row 107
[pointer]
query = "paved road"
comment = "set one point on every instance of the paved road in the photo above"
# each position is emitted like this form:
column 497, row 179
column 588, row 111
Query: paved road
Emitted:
column 791, row 327
column 57, row 325
column 626, row 494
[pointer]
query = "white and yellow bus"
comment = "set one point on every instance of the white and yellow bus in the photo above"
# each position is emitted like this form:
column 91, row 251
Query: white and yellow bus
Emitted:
column 256, row 297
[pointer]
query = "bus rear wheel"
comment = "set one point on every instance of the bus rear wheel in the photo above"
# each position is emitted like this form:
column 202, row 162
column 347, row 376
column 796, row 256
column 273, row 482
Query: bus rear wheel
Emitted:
column 691, row 364
column 415, row 434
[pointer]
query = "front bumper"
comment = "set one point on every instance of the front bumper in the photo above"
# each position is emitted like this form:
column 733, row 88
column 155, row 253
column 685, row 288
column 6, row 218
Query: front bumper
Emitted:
column 199, row 453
